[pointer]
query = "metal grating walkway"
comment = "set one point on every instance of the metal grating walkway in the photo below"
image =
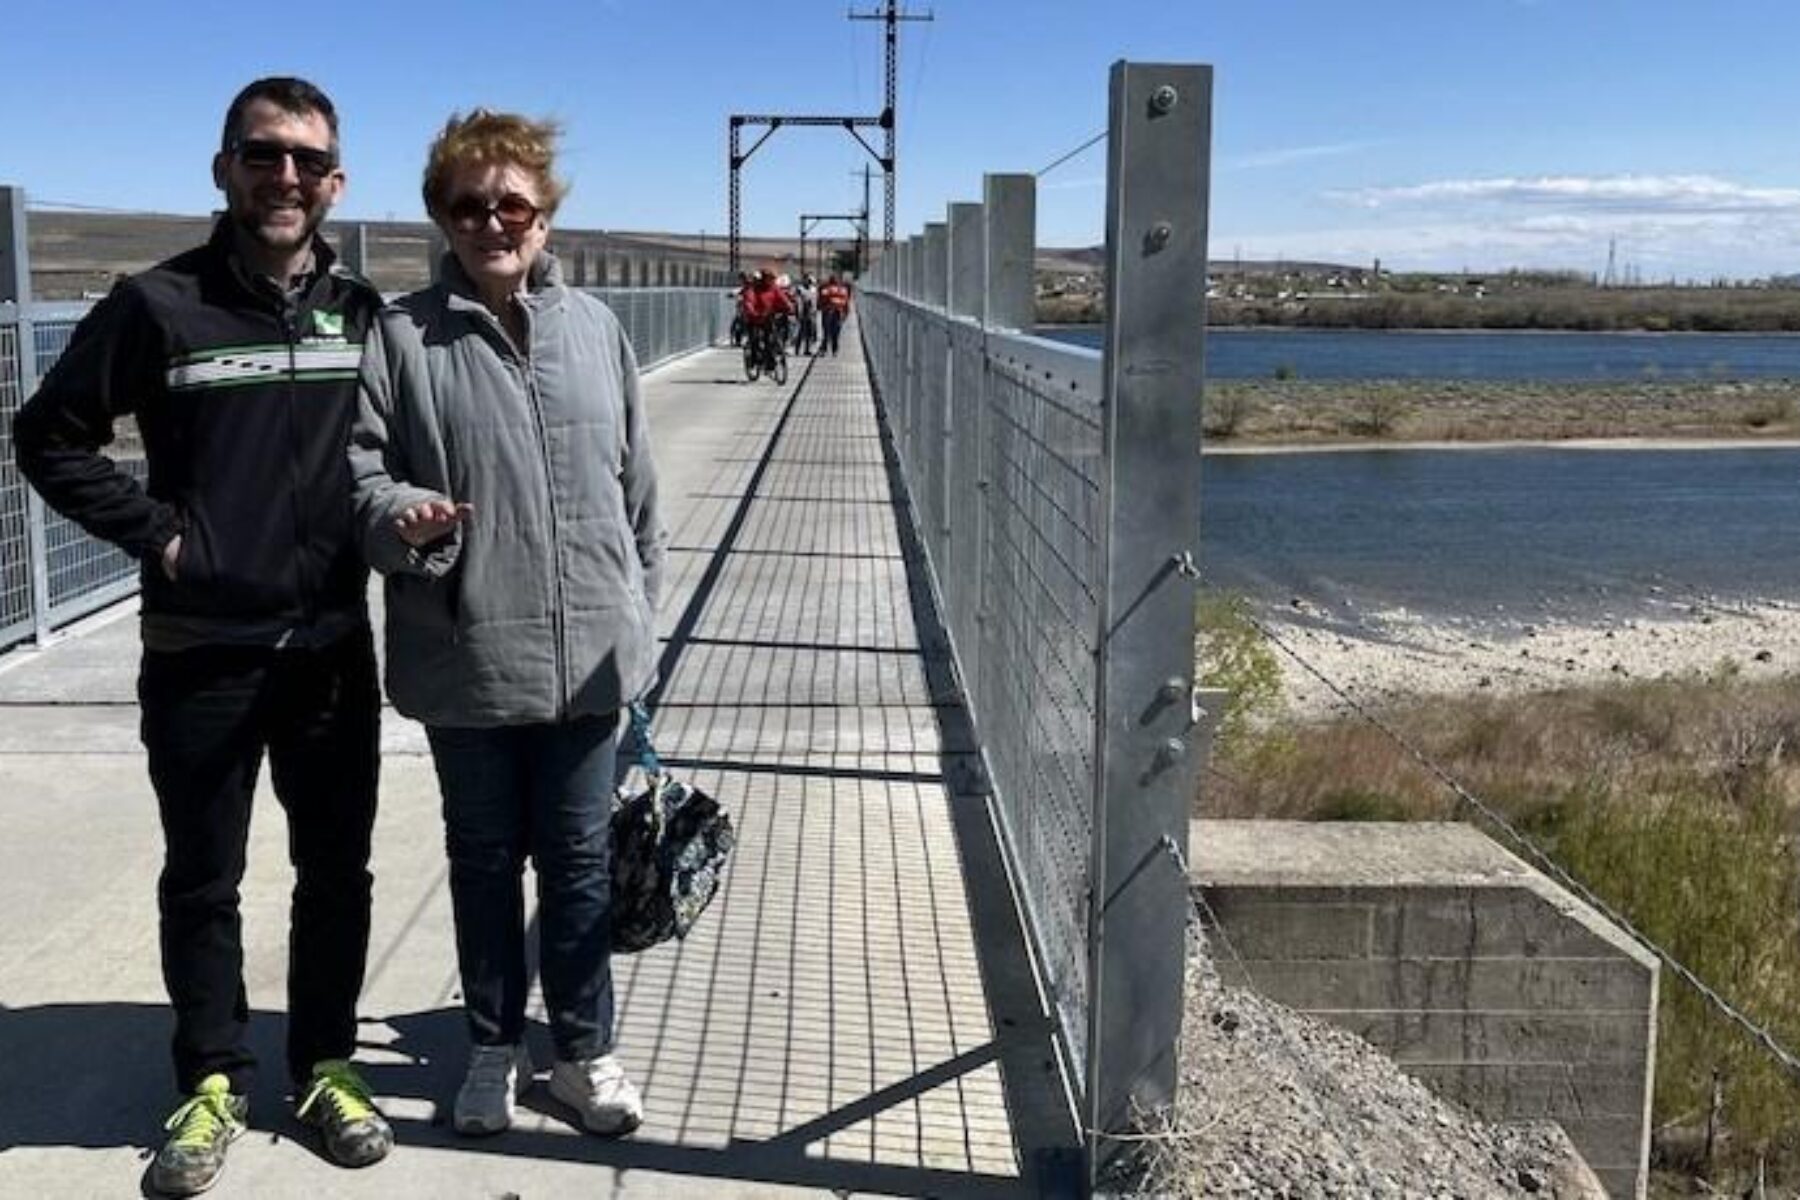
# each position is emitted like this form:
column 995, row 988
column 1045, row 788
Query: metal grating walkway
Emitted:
column 840, row 962
column 855, row 1014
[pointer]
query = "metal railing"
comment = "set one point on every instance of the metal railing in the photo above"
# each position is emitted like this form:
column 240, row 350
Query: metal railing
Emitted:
column 1055, row 491
column 666, row 323
column 51, row 572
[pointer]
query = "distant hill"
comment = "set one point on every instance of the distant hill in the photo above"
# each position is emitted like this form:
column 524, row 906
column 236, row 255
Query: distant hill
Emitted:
column 80, row 254
column 1088, row 260
column 77, row 254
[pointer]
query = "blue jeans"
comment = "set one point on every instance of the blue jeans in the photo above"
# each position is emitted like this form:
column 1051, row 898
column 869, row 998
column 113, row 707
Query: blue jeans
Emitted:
column 543, row 790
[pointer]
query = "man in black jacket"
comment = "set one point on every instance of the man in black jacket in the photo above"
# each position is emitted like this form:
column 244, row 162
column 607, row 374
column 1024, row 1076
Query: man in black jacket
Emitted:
column 238, row 360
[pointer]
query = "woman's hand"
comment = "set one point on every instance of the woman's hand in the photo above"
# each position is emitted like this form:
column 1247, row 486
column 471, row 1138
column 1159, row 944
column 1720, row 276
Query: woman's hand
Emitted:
column 422, row 524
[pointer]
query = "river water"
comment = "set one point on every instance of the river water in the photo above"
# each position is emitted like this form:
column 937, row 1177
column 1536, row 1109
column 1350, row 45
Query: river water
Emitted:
column 1409, row 354
column 1508, row 534
column 1511, row 533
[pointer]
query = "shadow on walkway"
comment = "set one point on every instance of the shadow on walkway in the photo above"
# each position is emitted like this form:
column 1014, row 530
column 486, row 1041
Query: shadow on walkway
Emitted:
column 97, row 1076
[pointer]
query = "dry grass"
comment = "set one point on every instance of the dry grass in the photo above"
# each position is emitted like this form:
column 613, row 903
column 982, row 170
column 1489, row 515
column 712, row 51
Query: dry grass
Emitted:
column 1675, row 801
column 1627, row 738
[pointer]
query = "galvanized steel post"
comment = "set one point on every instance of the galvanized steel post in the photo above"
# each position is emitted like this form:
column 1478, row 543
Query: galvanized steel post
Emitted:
column 15, row 286
column 967, row 262
column 1145, row 763
column 962, row 297
column 937, row 264
column 435, row 249
column 915, row 284
column 1010, row 206
column 353, row 247
column 963, row 427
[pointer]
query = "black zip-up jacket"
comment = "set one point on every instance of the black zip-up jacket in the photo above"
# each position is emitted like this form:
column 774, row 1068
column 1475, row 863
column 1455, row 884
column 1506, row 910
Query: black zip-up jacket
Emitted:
column 244, row 398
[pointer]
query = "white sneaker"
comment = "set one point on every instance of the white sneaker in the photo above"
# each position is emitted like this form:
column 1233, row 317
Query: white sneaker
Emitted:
column 598, row 1090
column 497, row 1077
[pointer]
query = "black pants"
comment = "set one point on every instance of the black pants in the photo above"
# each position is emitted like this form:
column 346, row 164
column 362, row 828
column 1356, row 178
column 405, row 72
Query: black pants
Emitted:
column 834, row 323
column 208, row 716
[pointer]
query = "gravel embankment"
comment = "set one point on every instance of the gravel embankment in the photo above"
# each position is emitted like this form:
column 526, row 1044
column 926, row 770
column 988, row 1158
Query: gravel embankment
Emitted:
column 1274, row 1104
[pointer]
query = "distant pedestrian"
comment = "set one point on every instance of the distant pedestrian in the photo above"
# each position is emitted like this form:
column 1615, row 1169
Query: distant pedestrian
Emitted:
column 504, row 486
column 806, row 312
column 834, row 306
column 238, row 360
column 738, row 325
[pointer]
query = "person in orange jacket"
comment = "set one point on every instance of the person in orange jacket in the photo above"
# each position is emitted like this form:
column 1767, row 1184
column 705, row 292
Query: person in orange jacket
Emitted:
column 834, row 306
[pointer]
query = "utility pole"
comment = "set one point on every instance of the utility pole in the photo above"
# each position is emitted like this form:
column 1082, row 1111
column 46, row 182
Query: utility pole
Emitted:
column 890, row 15
column 862, row 229
column 737, row 156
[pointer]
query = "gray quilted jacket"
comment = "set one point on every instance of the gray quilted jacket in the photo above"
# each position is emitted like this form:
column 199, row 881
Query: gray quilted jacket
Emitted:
column 540, row 606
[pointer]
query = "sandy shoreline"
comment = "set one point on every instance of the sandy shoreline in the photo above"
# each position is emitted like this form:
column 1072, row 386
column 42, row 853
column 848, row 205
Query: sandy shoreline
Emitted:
column 1383, row 657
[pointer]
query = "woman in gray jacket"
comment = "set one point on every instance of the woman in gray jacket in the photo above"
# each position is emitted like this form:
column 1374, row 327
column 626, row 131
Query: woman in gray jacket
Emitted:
column 504, row 487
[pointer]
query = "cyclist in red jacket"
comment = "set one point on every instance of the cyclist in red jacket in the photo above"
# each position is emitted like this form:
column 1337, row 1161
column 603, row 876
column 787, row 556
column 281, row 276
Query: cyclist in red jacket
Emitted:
column 761, row 304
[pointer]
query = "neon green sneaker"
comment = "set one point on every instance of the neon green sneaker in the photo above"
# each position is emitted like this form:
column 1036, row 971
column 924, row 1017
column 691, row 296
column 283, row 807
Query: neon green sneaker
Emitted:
column 200, row 1131
column 336, row 1101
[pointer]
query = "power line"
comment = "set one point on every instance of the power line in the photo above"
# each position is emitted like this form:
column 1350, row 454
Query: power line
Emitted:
column 1098, row 137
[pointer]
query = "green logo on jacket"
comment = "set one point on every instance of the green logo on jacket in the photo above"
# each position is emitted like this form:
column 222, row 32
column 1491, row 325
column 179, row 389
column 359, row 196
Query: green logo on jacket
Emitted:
column 328, row 324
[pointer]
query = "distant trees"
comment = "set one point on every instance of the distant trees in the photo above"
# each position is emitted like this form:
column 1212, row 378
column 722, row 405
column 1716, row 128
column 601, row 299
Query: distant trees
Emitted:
column 1341, row 298
column 1667, row 309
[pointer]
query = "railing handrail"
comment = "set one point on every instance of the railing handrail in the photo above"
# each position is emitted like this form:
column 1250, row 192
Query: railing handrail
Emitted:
column 51, row 573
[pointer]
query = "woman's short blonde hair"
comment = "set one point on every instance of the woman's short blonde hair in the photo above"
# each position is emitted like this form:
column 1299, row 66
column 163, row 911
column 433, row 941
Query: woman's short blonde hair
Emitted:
column 488, row 138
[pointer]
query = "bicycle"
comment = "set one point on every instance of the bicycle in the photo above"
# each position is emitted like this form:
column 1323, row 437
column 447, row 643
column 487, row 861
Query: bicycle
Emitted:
column 764, row 354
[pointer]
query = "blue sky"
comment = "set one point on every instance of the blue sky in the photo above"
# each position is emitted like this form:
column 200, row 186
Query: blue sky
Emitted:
column 1433, row 134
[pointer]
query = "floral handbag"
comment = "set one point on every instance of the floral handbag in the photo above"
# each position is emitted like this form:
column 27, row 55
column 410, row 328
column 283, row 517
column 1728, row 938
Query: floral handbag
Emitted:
column 669, row 845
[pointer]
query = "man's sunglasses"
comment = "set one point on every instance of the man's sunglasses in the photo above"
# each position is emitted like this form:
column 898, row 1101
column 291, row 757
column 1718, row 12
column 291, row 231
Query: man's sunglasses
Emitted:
column 471, row 213
column 260, row 155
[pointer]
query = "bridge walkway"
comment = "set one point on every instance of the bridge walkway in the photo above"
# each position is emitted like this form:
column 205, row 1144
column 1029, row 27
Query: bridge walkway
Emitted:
column 854, row 1014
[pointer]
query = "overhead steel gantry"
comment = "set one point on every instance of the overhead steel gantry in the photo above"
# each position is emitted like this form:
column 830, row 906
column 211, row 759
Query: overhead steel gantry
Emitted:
column 891, row 14
column 858, row 221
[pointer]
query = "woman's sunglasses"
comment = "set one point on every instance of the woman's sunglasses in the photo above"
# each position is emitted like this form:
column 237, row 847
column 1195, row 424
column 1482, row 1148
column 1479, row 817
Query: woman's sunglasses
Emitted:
column 471, row 213
column 260, row 155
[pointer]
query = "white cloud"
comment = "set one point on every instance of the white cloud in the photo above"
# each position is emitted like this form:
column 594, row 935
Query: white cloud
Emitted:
column 1684, row 226
column 1648, row 193
column 1294, row 154
column 1680, row 245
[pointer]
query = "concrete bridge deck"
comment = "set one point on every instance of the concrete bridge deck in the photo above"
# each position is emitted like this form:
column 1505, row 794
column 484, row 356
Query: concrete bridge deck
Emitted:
column 854, row 1014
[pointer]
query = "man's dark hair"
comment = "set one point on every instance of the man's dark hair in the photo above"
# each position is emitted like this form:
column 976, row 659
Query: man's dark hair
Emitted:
column 285, row 92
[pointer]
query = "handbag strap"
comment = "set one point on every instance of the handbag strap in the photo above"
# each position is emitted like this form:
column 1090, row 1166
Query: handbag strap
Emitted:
column 640, row 740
